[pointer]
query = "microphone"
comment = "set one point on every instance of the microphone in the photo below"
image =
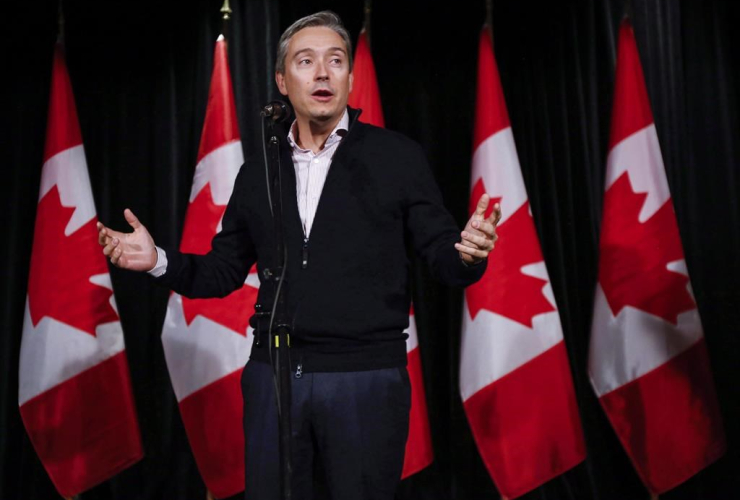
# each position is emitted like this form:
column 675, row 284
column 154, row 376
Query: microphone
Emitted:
column 277, row 111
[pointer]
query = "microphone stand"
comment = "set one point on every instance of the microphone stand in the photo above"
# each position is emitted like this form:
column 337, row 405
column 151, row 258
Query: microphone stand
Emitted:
column 279, row 332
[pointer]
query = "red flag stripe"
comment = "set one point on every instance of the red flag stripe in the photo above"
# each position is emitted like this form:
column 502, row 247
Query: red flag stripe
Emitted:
column 62, row 126
column 631, row 107
column 213, row 422
column 419, row 452
column 365, row 94
column 490, row 94
column 526, row 424
column 83, row 444
column 220, row 126
column 671, row 412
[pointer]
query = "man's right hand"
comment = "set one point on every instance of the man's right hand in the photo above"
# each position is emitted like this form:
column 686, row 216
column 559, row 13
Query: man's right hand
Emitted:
column 134, row 251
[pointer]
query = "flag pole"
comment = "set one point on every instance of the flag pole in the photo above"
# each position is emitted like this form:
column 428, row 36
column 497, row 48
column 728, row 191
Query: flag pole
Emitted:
column 366, row 21
column 489, row 18
column 226, row 11
column 60, row 23
column 629, row 11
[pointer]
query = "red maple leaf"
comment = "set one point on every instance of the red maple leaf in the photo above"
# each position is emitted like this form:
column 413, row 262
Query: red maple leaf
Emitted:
column 634, row 256
column 234, row 310
column 59, row 284
column 504, row 289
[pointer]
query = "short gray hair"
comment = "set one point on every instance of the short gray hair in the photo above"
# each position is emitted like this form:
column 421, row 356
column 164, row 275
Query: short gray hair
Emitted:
column 325, row 19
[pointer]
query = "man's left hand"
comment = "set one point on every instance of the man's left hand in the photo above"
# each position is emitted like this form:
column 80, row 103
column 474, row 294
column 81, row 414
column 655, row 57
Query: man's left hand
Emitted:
column 479, row 235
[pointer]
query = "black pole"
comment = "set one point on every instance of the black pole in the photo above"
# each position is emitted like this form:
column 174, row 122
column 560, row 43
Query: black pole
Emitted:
column 279, row 335
column 366, row 21
column 226, row 11
column 489, row 19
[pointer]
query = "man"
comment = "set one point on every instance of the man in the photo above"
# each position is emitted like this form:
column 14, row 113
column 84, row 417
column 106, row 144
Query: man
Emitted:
column 353, row 196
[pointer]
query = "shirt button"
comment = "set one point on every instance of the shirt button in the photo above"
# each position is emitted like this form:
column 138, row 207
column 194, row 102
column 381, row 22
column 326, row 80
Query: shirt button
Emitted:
column 316, row 161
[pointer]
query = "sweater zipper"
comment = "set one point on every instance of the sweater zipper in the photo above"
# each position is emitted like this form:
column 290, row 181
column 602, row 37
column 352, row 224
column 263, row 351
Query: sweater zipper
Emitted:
column 304, row 253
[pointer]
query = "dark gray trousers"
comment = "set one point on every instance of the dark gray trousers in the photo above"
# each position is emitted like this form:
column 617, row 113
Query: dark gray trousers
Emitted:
column 349, row 434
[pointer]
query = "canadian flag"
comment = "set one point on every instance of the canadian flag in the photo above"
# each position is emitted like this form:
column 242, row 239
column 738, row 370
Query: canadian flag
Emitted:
column 648, row 362
column 366, row 96
column 75, row 394
column 207, row 341
column 515, row 379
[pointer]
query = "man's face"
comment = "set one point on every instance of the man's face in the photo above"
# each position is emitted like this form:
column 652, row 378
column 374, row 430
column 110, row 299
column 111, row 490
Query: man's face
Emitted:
column 317, row 79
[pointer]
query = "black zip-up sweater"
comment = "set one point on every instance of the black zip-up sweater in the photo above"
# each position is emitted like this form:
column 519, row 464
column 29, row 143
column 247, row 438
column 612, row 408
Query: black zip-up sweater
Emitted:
column 348, row 284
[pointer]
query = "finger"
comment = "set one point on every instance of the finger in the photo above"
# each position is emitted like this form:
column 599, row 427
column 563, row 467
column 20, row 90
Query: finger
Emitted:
column 106, row 234
column 115, row 256
column 102, row 236
column 132, row 220
column 484, row 227
column 495, row 216
column 480, row 209
column 474, row 252
column 111, row 247
column 468, row 243
column 104, row 239
column 476, row 241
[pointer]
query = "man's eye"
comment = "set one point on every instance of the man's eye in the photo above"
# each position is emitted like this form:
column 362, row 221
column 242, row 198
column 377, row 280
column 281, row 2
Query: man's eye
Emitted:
column 304, row 61
column 336, row 60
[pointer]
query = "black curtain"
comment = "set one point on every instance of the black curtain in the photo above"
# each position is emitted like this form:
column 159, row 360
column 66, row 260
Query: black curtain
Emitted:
column 140, row 73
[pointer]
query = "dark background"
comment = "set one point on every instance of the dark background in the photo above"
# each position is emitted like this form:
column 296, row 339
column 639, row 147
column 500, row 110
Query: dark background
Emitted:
column 140, row 72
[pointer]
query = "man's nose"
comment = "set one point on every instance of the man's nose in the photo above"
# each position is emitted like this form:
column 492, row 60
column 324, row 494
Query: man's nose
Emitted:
column 321, row 71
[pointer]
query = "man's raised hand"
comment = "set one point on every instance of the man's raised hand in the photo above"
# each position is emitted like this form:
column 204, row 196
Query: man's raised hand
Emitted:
column 479, row 235
column 134, row 251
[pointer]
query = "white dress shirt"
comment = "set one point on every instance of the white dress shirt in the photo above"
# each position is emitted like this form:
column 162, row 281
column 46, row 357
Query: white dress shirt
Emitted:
column 311, row 171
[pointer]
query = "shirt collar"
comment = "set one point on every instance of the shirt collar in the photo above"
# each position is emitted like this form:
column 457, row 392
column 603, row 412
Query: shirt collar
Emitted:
column 336, row 135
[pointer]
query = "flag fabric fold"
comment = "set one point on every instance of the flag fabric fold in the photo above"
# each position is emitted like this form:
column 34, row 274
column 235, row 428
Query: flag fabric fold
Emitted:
column 515, row 378
column 207, row 341
column 648, row 362
column 75, row 394
column 365, row 95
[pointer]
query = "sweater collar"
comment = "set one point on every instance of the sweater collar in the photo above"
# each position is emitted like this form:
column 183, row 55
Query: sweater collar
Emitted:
column 352, row 114
column 340, row 130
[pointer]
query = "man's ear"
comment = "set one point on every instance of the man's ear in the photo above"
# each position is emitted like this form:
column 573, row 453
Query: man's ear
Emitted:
column 351, row 80
column 280, row 80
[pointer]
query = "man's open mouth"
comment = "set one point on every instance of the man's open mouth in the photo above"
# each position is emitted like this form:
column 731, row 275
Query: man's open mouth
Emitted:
column 323, row 94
